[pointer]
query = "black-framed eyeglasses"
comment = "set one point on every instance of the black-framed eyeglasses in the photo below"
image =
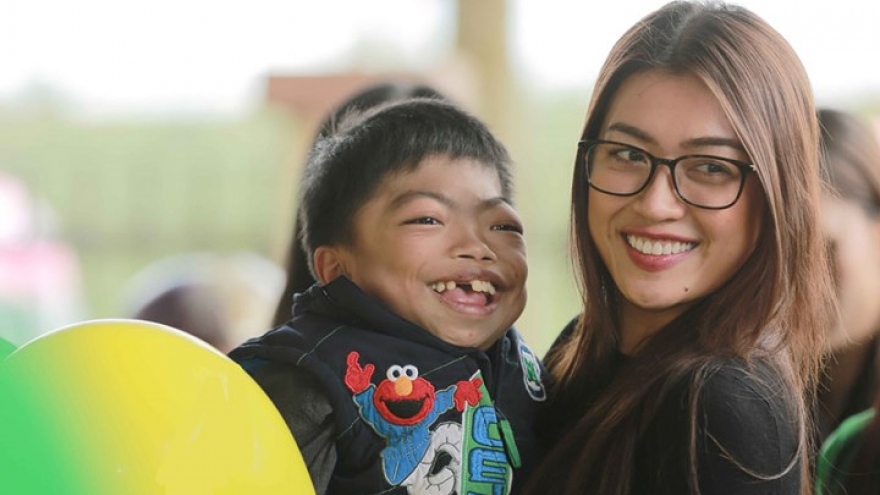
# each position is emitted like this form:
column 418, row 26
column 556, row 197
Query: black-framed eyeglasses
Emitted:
column 704, row 181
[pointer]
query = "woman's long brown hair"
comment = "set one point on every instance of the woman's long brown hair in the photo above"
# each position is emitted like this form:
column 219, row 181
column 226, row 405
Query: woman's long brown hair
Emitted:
column 764, row 91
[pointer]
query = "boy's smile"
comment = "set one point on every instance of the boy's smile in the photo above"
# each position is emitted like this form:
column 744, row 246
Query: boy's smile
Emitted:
column 478, row 293
column 442, row 248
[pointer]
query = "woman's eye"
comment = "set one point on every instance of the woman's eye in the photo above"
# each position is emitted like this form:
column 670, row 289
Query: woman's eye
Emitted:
column 630, row 155
column 716, row 169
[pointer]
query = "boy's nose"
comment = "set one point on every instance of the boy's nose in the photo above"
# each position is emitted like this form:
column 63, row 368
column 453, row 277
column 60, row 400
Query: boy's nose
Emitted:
column 471, row 245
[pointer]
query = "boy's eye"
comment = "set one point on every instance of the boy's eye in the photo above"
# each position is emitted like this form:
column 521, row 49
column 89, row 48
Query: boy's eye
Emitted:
column 508, row 227
column 423, row 221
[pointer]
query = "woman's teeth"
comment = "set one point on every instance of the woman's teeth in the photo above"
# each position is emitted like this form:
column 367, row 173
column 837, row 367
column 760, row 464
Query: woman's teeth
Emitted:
column 475, row 285
column 656, row 248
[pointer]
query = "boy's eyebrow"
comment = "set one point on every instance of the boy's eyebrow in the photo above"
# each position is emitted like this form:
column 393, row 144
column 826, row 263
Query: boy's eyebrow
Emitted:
column 493, row 202
column 408, row 196
column 695, row 142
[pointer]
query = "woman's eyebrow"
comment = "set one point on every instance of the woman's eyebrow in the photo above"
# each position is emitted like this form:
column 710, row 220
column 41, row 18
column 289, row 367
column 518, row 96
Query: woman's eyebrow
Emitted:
column 689, row 143
column 632, row 131
column 714, row 141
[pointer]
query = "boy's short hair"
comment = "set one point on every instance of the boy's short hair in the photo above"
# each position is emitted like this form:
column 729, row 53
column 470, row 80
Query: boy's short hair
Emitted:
column 345, row 168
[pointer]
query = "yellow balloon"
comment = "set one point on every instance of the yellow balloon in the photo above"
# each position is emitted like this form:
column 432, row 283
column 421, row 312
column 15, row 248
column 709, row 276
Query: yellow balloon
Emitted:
column 144, row 409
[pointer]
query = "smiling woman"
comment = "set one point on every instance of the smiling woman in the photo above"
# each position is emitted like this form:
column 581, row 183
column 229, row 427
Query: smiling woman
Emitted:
column 636, row 233
column 706, row 292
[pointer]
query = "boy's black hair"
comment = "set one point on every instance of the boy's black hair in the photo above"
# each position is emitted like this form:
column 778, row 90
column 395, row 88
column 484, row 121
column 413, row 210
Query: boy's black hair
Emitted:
column 373, row 97
column 346, row 167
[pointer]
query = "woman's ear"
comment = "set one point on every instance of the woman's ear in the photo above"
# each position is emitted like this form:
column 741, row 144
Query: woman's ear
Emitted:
column 329, row 263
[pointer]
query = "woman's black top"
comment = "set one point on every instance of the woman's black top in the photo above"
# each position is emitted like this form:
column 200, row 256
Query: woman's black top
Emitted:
column 747, row 435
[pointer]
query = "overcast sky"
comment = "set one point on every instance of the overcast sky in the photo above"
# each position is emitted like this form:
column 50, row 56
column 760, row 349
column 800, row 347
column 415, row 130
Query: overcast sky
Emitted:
column 158, row 56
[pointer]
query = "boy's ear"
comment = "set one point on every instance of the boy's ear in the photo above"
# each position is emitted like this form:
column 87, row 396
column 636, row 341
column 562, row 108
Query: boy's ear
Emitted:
column 329, row 263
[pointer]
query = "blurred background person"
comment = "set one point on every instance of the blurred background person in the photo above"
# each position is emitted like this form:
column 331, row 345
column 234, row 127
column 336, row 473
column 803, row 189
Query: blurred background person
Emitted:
column 221, row 299
column 849, row 462
column 851, row 217
column 40, row 279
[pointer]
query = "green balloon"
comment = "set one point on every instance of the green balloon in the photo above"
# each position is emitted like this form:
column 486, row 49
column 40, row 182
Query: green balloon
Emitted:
column 31, row 462
column 6, row 348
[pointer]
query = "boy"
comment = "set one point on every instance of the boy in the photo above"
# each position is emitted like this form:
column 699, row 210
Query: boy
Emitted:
column 399, row 371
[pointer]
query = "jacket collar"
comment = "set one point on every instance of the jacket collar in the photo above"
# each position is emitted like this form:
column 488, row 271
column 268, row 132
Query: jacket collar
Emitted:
column 344, row 301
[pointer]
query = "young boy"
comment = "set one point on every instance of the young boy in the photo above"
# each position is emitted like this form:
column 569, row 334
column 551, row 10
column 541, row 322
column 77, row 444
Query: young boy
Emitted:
column 399, row 371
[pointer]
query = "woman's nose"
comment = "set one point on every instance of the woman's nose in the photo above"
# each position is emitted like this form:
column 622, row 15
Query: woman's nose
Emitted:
column 659, row 200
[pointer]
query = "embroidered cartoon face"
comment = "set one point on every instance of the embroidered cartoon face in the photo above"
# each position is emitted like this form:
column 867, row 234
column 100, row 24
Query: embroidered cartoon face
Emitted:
column 404, row 398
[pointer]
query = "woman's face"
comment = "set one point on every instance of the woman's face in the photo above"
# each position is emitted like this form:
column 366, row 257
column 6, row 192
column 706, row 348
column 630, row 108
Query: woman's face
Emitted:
column 854, row 237
column 669, row 116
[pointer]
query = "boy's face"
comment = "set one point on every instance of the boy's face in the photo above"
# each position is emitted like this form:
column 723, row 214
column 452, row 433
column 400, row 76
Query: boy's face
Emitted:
column 442, row 249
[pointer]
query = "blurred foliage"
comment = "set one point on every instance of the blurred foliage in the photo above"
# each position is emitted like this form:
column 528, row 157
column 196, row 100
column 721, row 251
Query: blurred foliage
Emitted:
column 129, row 193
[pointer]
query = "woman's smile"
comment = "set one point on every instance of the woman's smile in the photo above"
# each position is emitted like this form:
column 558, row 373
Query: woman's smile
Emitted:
column 656, row 254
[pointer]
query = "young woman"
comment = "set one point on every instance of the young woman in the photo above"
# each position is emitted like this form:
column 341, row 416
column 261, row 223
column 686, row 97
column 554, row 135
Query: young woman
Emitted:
column 705, row 285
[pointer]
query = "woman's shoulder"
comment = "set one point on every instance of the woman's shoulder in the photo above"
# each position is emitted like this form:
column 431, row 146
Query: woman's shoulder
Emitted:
column 747, row 419
column 744, row 426
column 734, row 396
column 745, row 389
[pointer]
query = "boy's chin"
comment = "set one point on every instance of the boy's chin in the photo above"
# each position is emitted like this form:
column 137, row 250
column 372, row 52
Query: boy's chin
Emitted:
column 469, row 336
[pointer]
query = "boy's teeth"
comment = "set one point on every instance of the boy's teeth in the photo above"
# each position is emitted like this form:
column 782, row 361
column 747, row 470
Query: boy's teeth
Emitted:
column 489, row 288
column 656, row 248
column 476, row 286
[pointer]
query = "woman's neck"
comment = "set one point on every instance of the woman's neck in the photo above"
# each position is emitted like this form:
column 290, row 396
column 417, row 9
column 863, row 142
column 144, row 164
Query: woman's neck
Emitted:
column 638, row 324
